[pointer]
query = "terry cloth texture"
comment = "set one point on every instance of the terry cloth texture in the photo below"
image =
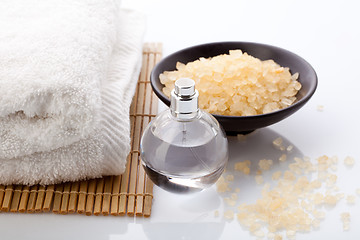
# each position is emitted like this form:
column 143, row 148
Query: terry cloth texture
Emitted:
column 66, row 81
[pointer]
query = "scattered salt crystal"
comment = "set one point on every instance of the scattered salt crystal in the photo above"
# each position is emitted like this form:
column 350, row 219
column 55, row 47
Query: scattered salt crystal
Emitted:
column 282, row 158
column 259, row 179
column 265, row 164
column 290, row 233
column 320, row 108
column 315, row 184
column 234, row 196
column 349, row 161
column 350, row 199
column 340, row 196
column 222, row 185
column 345, row 218
column 334, row 159
column 278, row 142
column 271, row 235
column 229, row 215
column 318, row 214
column 243, row 167
column 276, row 175
column 230, row 202
column 255, row 227
column 315, row 223
column 278, row 237
column 230, row 177
column 346, row 226
column 259, row 233
column 331, row 179
column 330, row 199
column 289, row 148
column 358, row 191
column 318, row 198
column 289, row 176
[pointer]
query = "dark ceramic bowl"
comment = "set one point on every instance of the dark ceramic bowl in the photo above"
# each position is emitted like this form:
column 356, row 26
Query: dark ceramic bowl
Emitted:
column 243, row 124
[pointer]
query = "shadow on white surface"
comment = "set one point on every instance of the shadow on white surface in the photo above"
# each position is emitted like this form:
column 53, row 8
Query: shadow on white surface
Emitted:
column 184, row 231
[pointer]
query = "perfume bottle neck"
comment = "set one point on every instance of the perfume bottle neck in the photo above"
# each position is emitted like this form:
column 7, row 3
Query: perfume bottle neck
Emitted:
column 184, row 108
column 184, row 100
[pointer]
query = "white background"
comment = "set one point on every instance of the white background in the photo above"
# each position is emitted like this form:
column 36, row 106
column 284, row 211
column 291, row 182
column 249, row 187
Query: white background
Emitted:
column 327, row 35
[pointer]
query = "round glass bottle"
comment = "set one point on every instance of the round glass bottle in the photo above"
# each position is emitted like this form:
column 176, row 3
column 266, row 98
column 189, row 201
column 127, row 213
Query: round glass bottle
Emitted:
column 184, row 149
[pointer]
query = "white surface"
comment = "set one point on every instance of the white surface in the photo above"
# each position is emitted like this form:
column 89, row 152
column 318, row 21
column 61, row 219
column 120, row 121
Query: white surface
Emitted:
column 326, row 34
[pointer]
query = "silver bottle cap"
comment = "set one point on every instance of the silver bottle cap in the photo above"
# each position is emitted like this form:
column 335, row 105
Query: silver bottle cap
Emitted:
column 184, row 99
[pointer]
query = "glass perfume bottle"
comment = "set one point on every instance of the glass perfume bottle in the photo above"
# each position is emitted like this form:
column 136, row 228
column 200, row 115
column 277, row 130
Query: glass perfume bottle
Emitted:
column 184, row 149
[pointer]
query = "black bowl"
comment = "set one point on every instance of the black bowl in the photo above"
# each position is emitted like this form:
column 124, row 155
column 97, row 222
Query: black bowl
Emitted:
column 243, row 124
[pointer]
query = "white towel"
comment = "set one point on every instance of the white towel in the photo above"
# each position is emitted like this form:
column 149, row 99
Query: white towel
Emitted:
column 54, row 56
column 101, row 141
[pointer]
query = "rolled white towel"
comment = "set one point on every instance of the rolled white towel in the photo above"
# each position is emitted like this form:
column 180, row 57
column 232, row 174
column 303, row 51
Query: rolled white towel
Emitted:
column 104, row 150
column 54, row 57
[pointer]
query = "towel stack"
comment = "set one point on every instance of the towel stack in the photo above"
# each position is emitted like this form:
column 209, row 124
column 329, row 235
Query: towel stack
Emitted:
column 68, row 71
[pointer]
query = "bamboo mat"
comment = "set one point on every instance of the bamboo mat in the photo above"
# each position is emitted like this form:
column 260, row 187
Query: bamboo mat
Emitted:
column 129, row 193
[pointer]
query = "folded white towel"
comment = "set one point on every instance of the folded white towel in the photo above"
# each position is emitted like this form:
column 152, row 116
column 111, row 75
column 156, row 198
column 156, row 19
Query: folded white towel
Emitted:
column 103, row 149
column 54, row 56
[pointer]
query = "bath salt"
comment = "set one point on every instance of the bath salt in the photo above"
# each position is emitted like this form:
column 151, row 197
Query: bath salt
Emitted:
column 289, row 148
column 350, row 199
column 320, row 108
column 229, row 215
column 358, row 191
column 278, row 142
column 276, row 175
column 259, row 179
column 243, row 166
column 230, row 177
column 222, row 185
column 265, row 164
column 349, row 161
column 282, row 158
column 345, row 218
column 237, row 84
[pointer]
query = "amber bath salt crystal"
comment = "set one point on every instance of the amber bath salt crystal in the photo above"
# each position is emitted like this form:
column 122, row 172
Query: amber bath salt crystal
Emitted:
column 296, row 201
column 345, row 218
column 237, row 84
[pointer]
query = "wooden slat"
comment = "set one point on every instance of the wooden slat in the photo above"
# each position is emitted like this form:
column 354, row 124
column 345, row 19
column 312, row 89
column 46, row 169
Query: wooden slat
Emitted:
column 124, row 188
column 49, row 195
column 16, row 199
column 73, row 197
column 99, row 196
column 7, row 198
column 40, row 199
column 90, row 197
column 32, row 199
column 82, row 197
column 59, row 188
column 2, row 194
column 65, row 198
column 105, row 210
column 24, row 199
column 115, row 195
